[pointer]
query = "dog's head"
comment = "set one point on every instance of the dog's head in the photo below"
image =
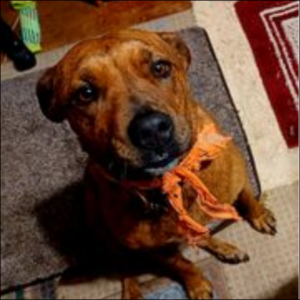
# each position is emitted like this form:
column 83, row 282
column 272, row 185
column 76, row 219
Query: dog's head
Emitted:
column 127, row 98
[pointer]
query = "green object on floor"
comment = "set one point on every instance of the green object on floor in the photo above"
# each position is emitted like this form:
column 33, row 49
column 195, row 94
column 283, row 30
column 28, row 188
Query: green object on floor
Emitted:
column 30, row 26
column 18, row 5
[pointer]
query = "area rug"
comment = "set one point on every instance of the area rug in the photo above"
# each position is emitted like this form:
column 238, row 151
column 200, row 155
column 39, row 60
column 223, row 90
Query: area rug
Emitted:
column 272, row 31
column 42, row 231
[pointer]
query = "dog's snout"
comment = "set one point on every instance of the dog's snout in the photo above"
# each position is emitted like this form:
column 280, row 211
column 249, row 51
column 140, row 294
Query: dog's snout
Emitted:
column 151, row 130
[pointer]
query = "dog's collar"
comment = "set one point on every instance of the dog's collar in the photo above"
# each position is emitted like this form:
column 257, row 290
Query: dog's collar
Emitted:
column 139, row 189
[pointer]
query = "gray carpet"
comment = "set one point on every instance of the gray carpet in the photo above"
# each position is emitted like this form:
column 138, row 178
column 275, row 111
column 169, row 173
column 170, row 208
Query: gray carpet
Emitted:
column 42, row 167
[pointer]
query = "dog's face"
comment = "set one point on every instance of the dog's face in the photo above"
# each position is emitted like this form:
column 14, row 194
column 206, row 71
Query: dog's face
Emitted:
column 126, row 97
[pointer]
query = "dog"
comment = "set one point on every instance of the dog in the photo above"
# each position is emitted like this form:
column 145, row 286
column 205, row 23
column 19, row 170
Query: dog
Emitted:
column 127, row 98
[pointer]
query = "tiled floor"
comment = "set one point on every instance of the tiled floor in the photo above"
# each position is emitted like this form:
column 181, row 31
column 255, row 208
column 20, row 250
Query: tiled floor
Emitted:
column 272, row 272
column 274, row 260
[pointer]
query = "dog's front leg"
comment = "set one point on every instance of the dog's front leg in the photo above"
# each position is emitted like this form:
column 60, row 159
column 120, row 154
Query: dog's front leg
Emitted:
column 225, row 252
column 258, row 216
column 196, row 285
column 131, row 289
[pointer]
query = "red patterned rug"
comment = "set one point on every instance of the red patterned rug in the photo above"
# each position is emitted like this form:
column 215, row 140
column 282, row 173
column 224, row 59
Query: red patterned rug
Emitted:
column 272, row 28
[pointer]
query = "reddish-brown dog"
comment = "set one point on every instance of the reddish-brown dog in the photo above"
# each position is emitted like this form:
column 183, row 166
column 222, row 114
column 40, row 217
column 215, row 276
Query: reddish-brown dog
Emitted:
column 126, row 96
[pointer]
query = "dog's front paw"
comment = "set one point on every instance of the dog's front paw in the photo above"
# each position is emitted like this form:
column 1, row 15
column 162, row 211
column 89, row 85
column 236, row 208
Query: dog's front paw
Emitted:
column 234, row 256
column 265, row 223
column 202, row 289
column 225, row 252
column 131, row 289
column 132, row 295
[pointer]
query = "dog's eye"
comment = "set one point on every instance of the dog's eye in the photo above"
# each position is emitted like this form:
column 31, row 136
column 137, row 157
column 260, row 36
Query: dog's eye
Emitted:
column 161, row 69
column 87, row 93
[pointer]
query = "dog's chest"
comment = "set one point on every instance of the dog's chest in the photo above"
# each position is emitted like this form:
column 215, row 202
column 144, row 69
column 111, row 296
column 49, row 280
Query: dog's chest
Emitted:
column 154, row 222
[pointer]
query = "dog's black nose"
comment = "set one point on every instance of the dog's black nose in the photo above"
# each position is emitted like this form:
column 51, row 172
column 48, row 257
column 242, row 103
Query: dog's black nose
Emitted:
column 151, row 130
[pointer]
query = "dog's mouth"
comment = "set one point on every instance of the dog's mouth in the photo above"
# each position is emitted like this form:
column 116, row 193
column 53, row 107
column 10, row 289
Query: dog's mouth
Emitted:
column 165, row 161
column 161, row 167
column 152, row 165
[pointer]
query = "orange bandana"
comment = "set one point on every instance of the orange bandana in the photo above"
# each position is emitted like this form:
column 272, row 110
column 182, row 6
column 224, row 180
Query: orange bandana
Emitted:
column 208, row 147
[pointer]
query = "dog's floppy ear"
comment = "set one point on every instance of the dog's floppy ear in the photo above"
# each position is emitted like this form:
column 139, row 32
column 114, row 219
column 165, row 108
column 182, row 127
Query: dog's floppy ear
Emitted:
column 176, row 42
column 45, row 91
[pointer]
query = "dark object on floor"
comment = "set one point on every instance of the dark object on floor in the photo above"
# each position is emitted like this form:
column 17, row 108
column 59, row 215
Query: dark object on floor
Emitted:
column 42, row 165
column 289, row 291
column 15, row 49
